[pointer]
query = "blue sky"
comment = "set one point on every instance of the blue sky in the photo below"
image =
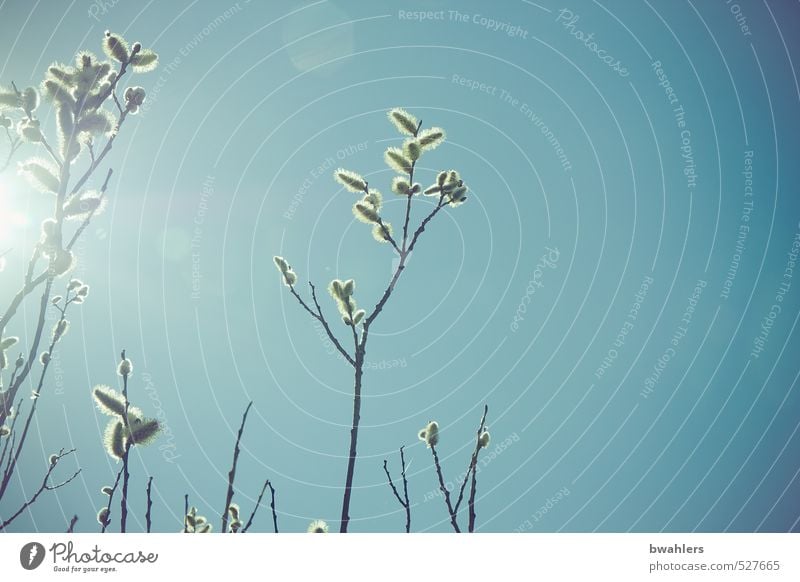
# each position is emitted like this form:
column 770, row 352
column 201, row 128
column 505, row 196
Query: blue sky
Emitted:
column 602, row 224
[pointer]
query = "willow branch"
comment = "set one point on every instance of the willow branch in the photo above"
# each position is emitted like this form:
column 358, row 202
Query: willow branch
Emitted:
column 473, row 463
column 72, row 522
column 45, row 486
column 147, row 513
column 321, row 318
column 258, row 502
column 10, row 439
column 444, row 490
column 185, row 513
column 110, row 499
column 408, row 202
column 232, row 472
column 404, row 502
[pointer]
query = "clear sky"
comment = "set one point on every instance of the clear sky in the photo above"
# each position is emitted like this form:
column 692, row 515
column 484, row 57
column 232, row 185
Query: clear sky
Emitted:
column 607, row 289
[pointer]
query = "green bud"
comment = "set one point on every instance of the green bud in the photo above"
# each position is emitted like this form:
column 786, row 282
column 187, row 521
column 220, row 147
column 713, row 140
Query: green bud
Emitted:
column 109, row 401
column 412, row 149
column 400, row 186
column 395, row 159
column 144, row 61
column 116, row 48
column 350, row 180
column 431, row 138
column 404, row 122
column 365, row 212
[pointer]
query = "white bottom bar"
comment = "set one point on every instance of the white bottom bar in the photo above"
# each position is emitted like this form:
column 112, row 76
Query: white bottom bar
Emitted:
column 479, row 557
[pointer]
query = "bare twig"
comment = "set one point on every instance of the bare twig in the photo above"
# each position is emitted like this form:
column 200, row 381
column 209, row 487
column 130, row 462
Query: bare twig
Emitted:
column 123, row 503
column 321, row 318
column 37, row 394
column 272, row 507
column 473, row 463
column 403, row 502
column 388, row 235
column 147, row 513
column 232, row 472
column 9, row 439
column 258, row 502
column 110, row 499
column 444, row 490
column 45, row 486
column 72, row 522
column 29, row 285
column 410, row 196
column 471, row 504
column 185, row 513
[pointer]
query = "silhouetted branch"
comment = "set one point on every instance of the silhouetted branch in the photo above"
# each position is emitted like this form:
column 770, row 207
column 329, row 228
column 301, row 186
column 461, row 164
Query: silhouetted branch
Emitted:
column 403, row 502
column 36, row 395
column 149, row 505
column 72, row 522
column 9, row 439
column 258, row 502
column 44, row 486
column 444, row 490
column 110, row 499
column 473, row 463
column 232, row 472
column 123, row 509
column 185, row 513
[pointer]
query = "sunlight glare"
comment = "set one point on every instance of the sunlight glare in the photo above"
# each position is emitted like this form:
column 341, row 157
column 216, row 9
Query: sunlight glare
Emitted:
column 11, row 220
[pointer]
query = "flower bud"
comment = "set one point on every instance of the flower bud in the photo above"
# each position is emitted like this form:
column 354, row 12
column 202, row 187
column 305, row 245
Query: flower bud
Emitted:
column 403, row 121
column 350, row 180
column 395, row 159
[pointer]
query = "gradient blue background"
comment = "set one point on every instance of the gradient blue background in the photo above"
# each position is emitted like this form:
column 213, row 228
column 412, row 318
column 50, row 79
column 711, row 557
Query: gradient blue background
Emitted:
column 254, row 103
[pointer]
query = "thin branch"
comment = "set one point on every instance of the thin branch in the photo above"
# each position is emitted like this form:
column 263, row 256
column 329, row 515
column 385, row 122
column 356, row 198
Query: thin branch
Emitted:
column 28, row 287
column 321, row 318
column 388, row 235
column 391, row 483
column 91, row 213
column 405, row 490
column 471, row 504
column 11, row 394
column 99, row 159
column 473, row 463
column 403, row 502
column 272, row 507
column 45, row 486
column 439, row 205
column 72, row 522
column 37, row 392
column 123, row 503
column 401, row 266
column 444, row 490
column 325, row 324
column 110, row 499
column 10, row 438
column 408, row 203
column 50, row 151
column 232, row 472
column 258, row 502
column 147, row 513
column 185, row 513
